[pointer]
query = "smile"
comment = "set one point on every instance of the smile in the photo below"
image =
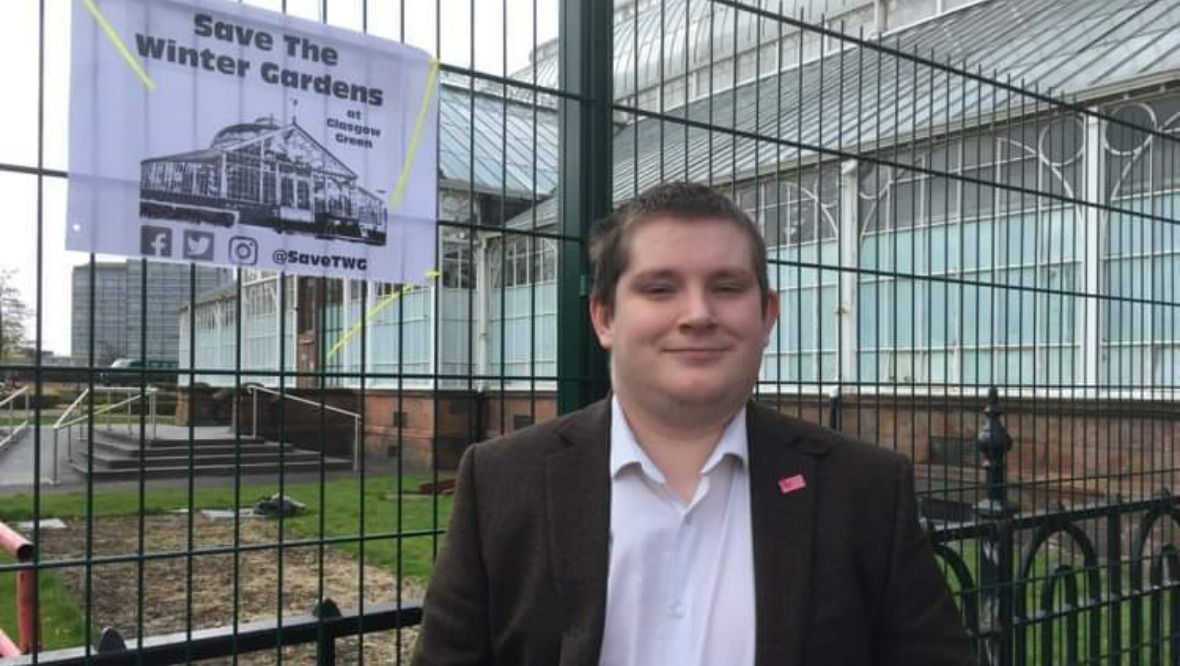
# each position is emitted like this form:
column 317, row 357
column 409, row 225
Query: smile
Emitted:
column 698, row 352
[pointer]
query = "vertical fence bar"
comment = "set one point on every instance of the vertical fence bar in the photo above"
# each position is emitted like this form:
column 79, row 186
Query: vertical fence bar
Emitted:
column 835, row 402
column 30, row 583
column 1114, row 584
column 586, row 62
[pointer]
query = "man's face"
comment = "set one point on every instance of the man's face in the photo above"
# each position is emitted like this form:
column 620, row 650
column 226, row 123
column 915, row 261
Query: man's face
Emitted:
column 689, row 323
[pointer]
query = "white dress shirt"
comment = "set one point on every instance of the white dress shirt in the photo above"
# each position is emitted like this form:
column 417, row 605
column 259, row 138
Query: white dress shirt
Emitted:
column 680, row 590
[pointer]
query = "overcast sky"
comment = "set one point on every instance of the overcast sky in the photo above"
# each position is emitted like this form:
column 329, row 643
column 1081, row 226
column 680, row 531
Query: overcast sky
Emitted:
column 19, row 113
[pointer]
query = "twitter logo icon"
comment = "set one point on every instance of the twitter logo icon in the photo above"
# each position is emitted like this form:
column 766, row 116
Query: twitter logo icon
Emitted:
column 198, row 245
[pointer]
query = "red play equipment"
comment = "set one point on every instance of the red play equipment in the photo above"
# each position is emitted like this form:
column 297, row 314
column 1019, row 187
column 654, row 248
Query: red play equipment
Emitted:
column 26, row 590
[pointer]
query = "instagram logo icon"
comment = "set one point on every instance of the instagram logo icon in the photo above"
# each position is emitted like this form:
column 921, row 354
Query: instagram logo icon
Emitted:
column 243, row 250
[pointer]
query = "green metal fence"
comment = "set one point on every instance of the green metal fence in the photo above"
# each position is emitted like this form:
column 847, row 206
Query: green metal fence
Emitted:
column 958, row 196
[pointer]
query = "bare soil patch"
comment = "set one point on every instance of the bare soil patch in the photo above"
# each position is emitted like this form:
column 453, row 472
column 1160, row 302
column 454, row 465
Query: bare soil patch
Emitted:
column 172, row 580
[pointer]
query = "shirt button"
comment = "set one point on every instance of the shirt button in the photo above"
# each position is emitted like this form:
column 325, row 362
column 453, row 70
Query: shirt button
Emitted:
column 677, row 610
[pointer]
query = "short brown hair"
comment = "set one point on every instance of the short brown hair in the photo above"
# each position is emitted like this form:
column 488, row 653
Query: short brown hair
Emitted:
column 610, row 240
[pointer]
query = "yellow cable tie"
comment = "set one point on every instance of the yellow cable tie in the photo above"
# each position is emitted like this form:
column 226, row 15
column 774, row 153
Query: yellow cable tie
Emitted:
column 372, row 314
column 395, row 199
column 113, row 37
column 347, row 337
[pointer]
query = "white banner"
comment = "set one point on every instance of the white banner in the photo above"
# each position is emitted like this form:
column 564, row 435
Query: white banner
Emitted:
column 214, row 132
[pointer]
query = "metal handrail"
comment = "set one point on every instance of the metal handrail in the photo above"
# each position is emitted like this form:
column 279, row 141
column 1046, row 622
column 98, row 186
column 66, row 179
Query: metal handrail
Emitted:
column 14, row 395
column 13, row 428
column 102, row 410
column 305, row 401
column 356, row 418
column 80, row 398
column 65, row 422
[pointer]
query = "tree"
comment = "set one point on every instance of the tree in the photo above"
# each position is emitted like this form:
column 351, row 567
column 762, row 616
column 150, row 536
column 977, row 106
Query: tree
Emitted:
column 14, row 316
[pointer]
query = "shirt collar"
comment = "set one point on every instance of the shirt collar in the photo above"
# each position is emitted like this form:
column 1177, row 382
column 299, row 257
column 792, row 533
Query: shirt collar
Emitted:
column 625, row 450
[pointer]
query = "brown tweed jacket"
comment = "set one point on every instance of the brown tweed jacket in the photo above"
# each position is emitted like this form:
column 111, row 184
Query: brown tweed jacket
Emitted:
column 843, row 572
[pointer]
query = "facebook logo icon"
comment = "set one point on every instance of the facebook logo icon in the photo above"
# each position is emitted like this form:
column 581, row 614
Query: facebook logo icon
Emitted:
column 155, row 241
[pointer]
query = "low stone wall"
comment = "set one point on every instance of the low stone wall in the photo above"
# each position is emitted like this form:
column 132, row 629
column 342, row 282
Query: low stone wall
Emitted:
column 427, row 428
column 202, row 405
column 1084, row 448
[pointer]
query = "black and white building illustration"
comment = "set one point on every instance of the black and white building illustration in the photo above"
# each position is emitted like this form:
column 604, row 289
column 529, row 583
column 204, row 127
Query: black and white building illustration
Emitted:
column 263, row 174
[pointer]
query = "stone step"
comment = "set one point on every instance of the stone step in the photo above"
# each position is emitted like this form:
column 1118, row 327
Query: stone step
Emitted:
column 198, row 449
column 119, row 455
column 109, row 461
column 252, row 469
column 133, row 439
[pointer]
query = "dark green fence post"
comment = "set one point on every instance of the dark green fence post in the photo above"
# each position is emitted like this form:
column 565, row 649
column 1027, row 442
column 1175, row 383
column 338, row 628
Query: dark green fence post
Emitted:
column 835, row 408
column 995, row 575
column 586, row 62
column 326, row 645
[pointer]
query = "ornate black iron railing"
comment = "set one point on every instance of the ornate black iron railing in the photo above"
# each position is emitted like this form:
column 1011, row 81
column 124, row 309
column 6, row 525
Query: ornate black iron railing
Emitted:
column 1063, row 585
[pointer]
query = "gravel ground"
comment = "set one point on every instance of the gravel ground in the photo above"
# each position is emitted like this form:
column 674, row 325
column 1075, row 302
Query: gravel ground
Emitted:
column 115, row 590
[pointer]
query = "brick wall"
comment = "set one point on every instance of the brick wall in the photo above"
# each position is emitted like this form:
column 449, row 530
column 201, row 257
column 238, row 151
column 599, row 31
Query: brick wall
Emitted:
column 1069, row 450
column 1064, row 450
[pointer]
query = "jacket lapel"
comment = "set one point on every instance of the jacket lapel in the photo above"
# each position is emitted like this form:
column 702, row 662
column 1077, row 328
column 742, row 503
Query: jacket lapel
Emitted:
column 578, row 490
column 783, row 485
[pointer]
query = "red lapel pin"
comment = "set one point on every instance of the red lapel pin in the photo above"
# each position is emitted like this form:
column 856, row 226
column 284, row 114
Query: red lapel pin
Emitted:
column 790, row 484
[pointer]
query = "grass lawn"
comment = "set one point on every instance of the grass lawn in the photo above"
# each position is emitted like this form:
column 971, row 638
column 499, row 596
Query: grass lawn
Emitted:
column 63, row 624
column 336, row 512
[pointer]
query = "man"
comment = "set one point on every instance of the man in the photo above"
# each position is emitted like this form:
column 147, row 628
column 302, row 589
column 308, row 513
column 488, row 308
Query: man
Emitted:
column 678, row 522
